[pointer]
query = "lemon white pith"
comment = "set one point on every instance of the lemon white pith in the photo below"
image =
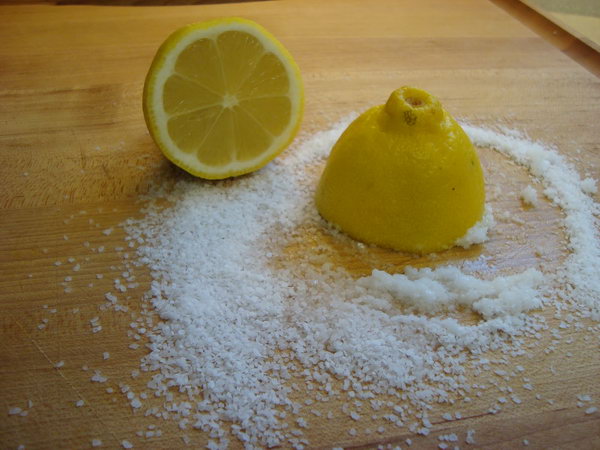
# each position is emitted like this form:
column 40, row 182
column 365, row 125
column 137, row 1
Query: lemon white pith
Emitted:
column 222, row 98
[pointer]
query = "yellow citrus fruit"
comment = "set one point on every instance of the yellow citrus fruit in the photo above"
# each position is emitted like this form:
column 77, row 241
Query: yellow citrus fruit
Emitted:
column 222, row 98
column 403, row 175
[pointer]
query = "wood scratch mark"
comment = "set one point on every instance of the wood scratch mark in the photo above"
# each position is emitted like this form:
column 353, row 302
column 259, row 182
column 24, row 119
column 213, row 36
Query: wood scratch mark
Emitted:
column 82, row 156
column 66, row 380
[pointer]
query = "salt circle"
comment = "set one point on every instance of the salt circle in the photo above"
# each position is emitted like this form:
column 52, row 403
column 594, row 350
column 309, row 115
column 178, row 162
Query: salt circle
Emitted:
column 241, row 323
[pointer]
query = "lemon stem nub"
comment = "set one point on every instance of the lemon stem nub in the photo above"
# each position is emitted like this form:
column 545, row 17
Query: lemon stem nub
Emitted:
column 411, row 106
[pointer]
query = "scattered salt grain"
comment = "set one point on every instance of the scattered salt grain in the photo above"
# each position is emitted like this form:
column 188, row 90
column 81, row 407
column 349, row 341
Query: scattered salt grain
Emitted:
column 591, row 410
column 470, row 439
column 59, row 364
column 126, row 444
column 98, row 377
column 96, row 443
column 529, row 196
column 13, row 411
column 105, row 355
column 79, row 403
column 107, row 232
column 452, row 437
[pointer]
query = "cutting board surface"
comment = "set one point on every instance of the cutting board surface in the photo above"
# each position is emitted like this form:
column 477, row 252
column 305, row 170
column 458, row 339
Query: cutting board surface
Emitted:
column 75, row 155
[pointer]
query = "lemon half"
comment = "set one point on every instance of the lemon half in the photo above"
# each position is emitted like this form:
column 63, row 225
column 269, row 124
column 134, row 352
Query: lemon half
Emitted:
column 222, row 98
column 403, row 175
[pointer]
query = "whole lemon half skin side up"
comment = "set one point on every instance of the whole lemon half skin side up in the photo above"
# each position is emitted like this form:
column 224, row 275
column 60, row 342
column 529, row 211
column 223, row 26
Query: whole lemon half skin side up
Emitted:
column 167, row 52
column 403, row 175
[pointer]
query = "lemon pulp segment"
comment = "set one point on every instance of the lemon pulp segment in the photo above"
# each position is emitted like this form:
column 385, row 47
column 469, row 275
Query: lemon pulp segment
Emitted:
column 222, row 98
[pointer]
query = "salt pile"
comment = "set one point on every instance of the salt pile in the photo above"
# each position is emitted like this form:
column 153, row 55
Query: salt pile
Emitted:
column 246, row 326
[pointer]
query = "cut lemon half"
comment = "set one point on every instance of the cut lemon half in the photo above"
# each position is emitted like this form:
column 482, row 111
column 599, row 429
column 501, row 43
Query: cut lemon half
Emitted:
column 222, row 98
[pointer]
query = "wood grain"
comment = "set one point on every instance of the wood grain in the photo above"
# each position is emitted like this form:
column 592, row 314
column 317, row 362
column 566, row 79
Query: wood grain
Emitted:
column 75, row 155
column 577, row 50
column 581, row 19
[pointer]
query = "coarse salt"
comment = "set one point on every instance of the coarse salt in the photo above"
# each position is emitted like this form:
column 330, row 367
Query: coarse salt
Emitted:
column 529, row 195
column 226, row 324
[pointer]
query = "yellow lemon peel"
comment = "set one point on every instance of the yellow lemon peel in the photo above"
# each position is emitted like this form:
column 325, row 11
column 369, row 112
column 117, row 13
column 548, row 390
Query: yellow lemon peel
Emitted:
column 403, row 175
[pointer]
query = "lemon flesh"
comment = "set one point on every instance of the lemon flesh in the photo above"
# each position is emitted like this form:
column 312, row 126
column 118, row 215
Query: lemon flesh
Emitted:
column 222, row 98
column 403, row 175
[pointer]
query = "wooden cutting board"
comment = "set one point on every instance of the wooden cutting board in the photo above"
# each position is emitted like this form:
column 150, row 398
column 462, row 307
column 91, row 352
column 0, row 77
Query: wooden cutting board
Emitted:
column 75, row 154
